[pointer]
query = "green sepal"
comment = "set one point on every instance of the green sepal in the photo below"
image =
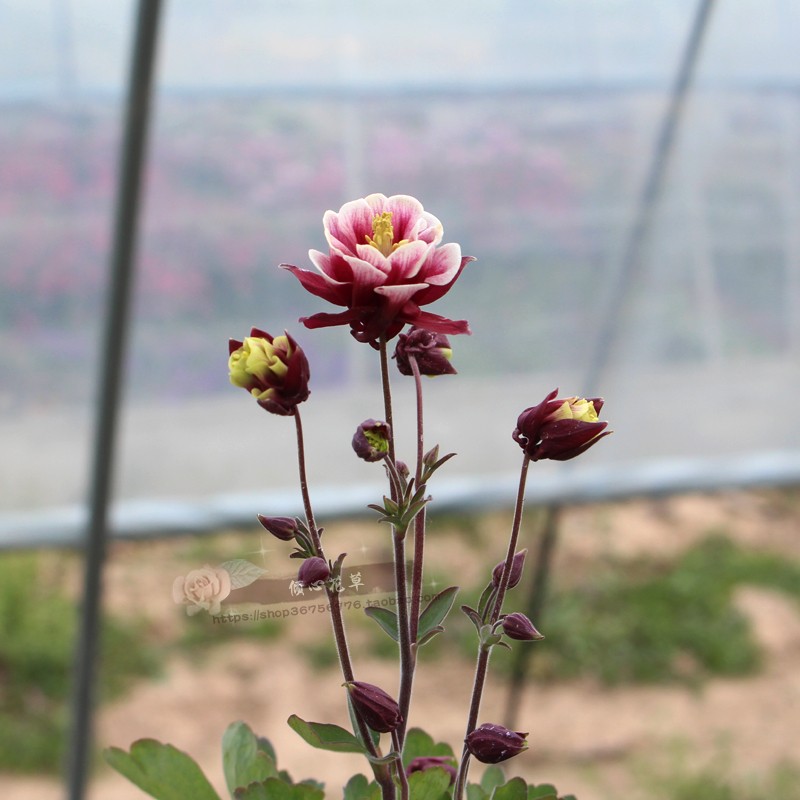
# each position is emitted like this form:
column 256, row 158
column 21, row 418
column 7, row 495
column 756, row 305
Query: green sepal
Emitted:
column 244, row 760
column 326, row 736
column 435, row 612
column 386, row 619
column 161, row 770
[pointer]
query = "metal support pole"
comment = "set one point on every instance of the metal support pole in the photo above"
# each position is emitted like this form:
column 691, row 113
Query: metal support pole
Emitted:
column 608, row 329
column 620, row 287
column 115, row 332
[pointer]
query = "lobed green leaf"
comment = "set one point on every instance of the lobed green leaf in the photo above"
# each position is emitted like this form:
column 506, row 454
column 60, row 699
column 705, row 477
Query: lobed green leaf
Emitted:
column 418, row 743
column 515, row 789
column 244, row 759
column 275, row 789
column 360, row 788
column 326, row 736
column 161, row 770
column 431, row 784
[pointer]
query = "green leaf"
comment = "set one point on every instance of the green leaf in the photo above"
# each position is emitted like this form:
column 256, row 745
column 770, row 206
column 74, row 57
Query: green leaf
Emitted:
column 485, row 601
column 243, row 761
column 418, row 743
column 274, row 789
column 515, row 789
column 374, row 735
column 325, row 736
column 431, row 784
column 265, row 745
column 429, row 635
column 386, row 619
column 161, row 770
column 436, row 611
column 242, row 572
column 474, row 616
column 492, row 778
column 544, row 791
column 474, row 792
column 359, row 788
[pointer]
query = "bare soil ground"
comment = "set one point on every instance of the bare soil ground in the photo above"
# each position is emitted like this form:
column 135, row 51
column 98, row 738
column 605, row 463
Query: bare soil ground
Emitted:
column 589, row 740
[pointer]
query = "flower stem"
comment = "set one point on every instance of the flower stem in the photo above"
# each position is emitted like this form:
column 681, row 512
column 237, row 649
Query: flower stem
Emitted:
column 406, row 686
column 382, row 775
column 387, row 398
column 420, row 519
column 482, row 665
column 301, row 464
column 402, row 778
column 400, row 579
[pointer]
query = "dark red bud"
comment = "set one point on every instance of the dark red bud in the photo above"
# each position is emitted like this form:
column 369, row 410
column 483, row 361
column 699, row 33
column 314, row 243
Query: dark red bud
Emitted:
column 492, row 744
column 560, row 428
column 283, row 528
column 517, row 563
column 518, row 626
column 371, row 440
column 430, row 350
column 313, row 571
column 421, row 763
column 375, row 707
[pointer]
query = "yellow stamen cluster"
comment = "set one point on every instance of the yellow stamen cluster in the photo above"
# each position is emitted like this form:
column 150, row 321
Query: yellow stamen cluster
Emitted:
column 383, row 234
column 577, row 408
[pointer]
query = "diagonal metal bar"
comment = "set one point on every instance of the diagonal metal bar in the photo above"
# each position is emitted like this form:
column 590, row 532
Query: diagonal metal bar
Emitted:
column 608, row 331
column 113, row 353
column 630, row 265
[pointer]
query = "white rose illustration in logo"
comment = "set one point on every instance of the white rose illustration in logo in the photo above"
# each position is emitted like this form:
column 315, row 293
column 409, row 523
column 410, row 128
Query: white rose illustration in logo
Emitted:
column 202, row 589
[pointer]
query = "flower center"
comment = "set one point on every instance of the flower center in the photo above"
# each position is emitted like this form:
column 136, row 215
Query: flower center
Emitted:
column 383, row 234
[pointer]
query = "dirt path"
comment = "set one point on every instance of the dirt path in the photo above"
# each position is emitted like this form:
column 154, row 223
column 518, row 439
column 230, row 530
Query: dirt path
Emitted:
column 589, row 740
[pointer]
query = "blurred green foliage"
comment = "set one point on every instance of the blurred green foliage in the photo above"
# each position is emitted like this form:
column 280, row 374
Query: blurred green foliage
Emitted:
column 38, row 622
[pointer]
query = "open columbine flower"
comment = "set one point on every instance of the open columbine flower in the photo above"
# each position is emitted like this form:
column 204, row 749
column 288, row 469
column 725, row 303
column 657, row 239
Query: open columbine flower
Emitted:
column 384, row 262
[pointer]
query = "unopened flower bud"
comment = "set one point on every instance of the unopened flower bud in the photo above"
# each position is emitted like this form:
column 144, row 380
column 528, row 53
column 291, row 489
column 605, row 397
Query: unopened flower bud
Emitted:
column 376, row 708
column 492, row 744
column 313, row 571
column 371, row 440
column 274, row 370
column 518, row 626
column 517, row 563
column 560, row 429
column 431, row 350
column 421, row 763
column 283, row 528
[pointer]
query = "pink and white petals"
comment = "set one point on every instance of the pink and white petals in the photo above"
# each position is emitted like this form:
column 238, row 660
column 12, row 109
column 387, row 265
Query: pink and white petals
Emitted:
column 383, row 263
